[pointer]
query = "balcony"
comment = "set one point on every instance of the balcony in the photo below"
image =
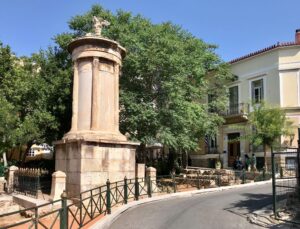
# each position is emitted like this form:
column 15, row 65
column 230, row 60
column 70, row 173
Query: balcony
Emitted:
column 236, row 113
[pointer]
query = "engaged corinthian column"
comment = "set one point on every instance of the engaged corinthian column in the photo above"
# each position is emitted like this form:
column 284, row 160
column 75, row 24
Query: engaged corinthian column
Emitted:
column 75, row 98
column 95, row 95
column 95, row 114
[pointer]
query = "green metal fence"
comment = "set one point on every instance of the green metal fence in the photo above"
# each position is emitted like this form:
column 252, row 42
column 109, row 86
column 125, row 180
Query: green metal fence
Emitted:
column 285, row 185
column 94, row 203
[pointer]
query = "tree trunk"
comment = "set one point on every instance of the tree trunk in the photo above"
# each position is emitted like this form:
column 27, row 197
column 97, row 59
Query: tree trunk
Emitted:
column 28, row 146
column 265, row 157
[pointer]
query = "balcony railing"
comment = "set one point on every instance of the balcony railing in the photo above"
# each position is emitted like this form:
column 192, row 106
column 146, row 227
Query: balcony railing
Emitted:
column 238, row 109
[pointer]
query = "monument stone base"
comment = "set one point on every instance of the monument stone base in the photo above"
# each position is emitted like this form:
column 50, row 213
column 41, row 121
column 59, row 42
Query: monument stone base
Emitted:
column 88, row 164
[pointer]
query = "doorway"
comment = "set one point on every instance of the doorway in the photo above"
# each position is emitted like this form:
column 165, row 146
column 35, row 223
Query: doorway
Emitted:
column 234, row 149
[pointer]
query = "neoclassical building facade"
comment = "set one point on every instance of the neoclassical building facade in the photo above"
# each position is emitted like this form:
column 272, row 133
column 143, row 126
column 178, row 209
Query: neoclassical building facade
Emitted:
column 271, row 74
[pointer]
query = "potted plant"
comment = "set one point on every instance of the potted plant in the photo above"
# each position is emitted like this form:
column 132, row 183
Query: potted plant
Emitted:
column 218, row 164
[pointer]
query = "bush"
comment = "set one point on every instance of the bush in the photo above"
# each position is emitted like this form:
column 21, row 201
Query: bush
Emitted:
column 2, row 170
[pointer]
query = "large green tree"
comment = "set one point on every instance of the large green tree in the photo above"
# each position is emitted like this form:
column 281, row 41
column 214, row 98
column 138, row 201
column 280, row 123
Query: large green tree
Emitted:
column 30, row 98
column 166, row 77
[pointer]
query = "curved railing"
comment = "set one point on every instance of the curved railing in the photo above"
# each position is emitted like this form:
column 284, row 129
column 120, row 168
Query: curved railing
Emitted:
column 92, row 204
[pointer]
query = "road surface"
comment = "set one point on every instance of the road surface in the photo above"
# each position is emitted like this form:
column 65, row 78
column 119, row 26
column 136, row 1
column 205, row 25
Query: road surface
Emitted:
column 225, row 209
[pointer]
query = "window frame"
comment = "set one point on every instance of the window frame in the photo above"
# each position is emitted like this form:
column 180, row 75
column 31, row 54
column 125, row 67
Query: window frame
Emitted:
column 233, row 108
column 262, row 91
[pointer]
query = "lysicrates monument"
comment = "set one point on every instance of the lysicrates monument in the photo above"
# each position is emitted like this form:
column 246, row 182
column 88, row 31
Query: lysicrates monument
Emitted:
column 94, row 150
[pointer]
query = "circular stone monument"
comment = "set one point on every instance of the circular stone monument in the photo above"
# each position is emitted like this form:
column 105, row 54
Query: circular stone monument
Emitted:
column 94, row 150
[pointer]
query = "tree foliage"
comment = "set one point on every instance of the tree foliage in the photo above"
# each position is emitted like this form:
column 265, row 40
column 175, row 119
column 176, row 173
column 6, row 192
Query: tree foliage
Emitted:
column 30, row 99
column 164, row 81
column 166, row 77
column 266, row 125
column 269, row 124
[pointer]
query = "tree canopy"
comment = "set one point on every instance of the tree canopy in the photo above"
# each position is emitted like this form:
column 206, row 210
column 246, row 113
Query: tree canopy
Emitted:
column 30, row 99
column 269, row 124
column 266, row 125
column 166, row 77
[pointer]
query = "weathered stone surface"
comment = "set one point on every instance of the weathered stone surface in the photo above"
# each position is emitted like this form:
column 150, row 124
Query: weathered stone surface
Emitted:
column 97, row 163
column 29, row 202
column 140, row 170
column 10, row 180
column 58, row 185
column 2, row 184
column 150, row 171
column 94, row 150
column 95, row 115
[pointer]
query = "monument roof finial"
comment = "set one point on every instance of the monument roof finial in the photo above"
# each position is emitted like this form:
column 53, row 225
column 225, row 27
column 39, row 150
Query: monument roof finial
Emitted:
column 98, row 24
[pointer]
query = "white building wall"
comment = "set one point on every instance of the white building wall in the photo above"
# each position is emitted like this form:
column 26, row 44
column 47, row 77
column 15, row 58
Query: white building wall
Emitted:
column 264, row 67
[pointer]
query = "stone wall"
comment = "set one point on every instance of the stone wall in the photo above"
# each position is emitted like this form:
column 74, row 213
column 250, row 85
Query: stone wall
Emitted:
column 201, row 163
column 89, row 164
column 2, row 184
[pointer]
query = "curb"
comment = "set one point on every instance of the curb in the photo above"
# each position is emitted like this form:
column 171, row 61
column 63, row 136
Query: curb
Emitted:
column 106, row 222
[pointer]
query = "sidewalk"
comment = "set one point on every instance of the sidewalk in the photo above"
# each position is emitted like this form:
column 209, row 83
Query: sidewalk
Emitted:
column 265, row 218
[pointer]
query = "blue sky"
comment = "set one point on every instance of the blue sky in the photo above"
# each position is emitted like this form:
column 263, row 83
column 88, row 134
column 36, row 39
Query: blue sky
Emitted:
column 236, row 26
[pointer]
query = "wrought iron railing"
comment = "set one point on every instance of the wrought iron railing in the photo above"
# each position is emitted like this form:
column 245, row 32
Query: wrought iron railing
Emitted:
column 286, row 185
column 238, row 109
column 29, row 181
column 97, row 202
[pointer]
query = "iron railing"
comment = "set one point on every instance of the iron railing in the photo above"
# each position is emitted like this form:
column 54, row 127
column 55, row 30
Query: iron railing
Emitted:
column 285, row 185
column 31, row 182
column 94, row 203
column 238, row 109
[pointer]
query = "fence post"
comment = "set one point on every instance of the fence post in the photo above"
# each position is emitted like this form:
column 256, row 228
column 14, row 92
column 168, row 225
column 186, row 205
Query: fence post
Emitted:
column 108, row 203
column 151, row 172
column 36, row 218
column 91, row 193
column 243, row 176
column 64, row 211
column 125, row 190
column 273, row 184
column 12, row 171
column 149, row 186
column 174, row 182
column 80, row 210
column 58, row 185
column 198, row 180
column 136, row 189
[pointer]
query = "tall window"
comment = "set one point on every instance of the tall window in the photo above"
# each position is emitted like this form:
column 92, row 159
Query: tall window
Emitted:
column 257, row 90
column 211, row 144
column 233, row 99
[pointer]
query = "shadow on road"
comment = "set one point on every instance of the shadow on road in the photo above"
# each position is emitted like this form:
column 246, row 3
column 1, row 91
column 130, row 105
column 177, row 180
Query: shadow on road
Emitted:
column 254, row 202
column 250, row 203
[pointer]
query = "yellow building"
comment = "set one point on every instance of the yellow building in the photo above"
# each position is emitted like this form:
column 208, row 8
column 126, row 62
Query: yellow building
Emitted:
column 271, row 74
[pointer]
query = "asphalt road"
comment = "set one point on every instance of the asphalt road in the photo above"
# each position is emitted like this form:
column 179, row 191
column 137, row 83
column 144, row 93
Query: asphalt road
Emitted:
column 226, row 209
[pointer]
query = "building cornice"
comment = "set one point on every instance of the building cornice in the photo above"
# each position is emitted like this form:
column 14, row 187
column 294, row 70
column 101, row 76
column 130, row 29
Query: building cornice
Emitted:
column 265, row 50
